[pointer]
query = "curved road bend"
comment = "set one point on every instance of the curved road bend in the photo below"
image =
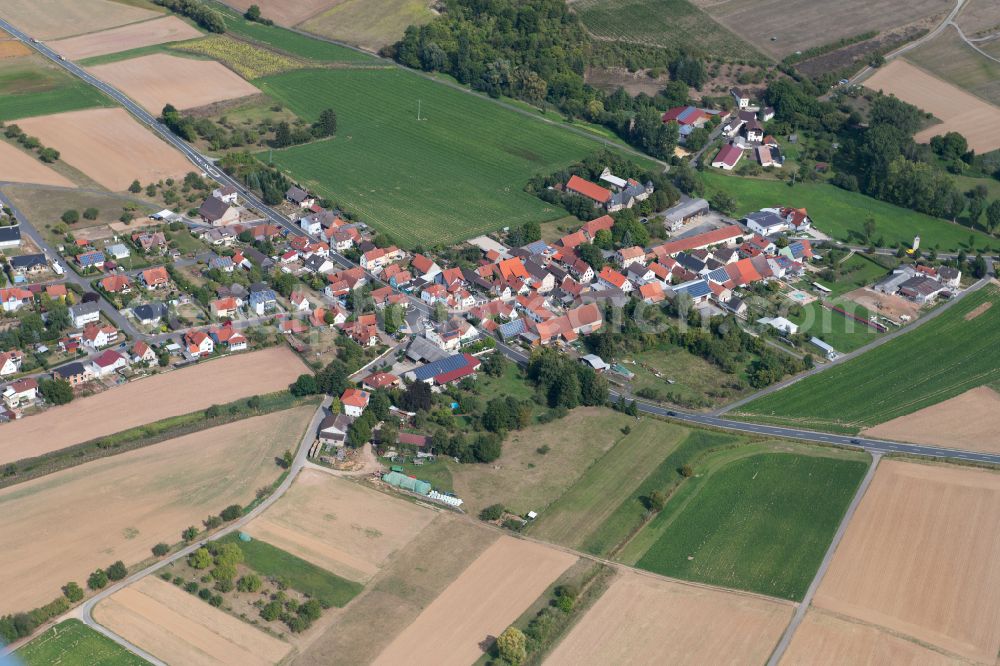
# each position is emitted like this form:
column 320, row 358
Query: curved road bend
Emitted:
column 84, row 612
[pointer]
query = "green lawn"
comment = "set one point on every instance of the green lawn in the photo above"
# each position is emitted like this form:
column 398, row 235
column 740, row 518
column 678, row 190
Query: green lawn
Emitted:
column 939, row 360
column 458, row 172
column 580, row 514
column 307, row 578
column 853, row 273
column 760, row 523
column 842, row 214
column 667, row 23
column 843, row 334
column 71, row 643
column 290, row 42
column 697, row 383
column 31, row 87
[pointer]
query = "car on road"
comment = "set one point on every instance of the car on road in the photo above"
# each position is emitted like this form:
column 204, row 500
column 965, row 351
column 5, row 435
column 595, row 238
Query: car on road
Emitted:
column 856, row 441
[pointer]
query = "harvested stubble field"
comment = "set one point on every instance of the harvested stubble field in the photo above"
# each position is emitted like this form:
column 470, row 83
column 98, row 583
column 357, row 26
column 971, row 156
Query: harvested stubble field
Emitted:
column 977, row 120
column 125, row 38
column 12, row 48
column 160, row 79
column 828, row 640
column 904, row 375
column 803, row 24
column 54, row 19
column 284, row 12
column 18, row 166
column 757, row 518
column 340, row 526
column 949, row 58
column 646, row 620
column 109, row 146
column 72, row 643
column 150, row 399
column 490, row 594
column 370, row 24
column 667, row 23
column 64, row 525
column 484, row 152
column 921, row 557
column 180, row 628
column 392, row 601
column 970, row 421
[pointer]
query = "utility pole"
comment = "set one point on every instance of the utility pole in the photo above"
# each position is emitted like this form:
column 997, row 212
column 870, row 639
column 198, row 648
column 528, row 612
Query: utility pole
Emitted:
column 418, row 109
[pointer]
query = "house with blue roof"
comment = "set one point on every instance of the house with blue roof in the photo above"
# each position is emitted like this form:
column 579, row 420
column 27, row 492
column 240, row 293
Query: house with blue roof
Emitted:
column 698, row 290
column 262, row 302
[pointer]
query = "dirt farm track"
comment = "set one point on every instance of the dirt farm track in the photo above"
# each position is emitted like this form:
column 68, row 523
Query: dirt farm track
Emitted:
column 151, row 399
column 62, row 526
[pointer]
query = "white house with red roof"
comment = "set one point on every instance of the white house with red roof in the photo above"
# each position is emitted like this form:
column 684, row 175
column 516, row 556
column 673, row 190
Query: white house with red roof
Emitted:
column 20, row 393
column 198, row 343
column 143, row 353
column 97, row 336
column 610, row 278
column 354, row 401
column 10, row 362
column 108, row 363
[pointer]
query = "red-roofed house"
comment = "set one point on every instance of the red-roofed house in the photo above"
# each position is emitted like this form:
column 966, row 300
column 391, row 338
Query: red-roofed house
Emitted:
column 605, row 222
column 20, row 393
column 154, row 278
column 354, row 401
column 610, row 278
column 511, row 268
column 116, row 284
column 574, row 239
column 630, row 255
column 10, row 362
column 380, row 380
column 143, row 353
column 98, row 337
column 651, row 292
column 727, row 158
column 198, row 343
column 225, row 308
column 108, row 363
column 590, row 190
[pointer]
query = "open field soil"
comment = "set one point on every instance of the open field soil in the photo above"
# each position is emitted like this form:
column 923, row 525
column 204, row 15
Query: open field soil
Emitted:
column 339, row 525
column 150, row 399
column 43, row 206
column 613, row 477
column 646, row 620
column 480, row 604
column 757, row 518
column 109, row 146
column 125, row 38
column 667, row 23
column 828, row 640
column 484, row 152
column 841, row 214
column 63, row 526
column 979, row 16
column 887, row 305
column 798, row 25
column 53, row 19
column 71, row 643
column 921, row 557
column 180, row 628
column 32, row 86
column 970, row 421
column 12, row 48
column 20, row 167
column 392, row 601
column 160, row 79
column 959, row 111
column 904, row 375
column 369, row 24
column 950, row 59
column 284, row 12
column 523, row 479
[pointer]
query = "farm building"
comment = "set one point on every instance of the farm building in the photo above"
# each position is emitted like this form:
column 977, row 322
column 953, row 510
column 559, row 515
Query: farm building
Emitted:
column 332, row 429
column 446, row 370
column 727, row 158
column 780, row 323
column 687, row 211
column 10, row 236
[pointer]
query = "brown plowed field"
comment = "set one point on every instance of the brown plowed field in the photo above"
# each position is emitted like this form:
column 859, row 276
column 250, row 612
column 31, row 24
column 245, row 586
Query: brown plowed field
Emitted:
column 284, row 12
column 12, row 48
column 54, row 19
column 160, row 79
column 109, row 146
column 922, row 557
column 151, row 399
column 339, row 525
column 124, row 38
column 479, row 605
column 646, row 620
column 180, row 628
column 968, row 421
column 63, row 526
column 825, row 640
column 978, row 121
column 17, row 166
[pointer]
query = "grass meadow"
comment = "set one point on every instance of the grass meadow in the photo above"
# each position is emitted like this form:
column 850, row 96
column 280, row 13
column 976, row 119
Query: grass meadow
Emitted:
column 457, row 172
column 754, row 519
column 937, row 361
column 31, row 87
column 71, row 643
column 842, row 214
column 305, row 577
column 668, row 23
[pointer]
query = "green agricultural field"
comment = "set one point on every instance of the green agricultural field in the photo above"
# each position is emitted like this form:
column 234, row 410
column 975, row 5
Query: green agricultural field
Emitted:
column 613, row 478
column 667, row 23
column 843, row 334
column 31, row 87
column 457, row 172
column 842, row 214
column 305, row 577
column 759, row 522
column 939, row 360
column 71, row 643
